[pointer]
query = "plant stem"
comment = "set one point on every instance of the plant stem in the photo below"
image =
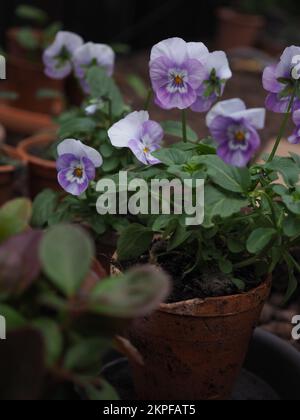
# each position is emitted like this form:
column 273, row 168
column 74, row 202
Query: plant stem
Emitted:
column 184, row 126
column 282, row 128
column 110, row 113
column 148, row 100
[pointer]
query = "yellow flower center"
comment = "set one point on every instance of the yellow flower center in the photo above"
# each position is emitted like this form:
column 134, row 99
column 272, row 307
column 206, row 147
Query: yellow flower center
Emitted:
column 78, row 172
column 178, row 80
column 240, row 136
column 146, row 150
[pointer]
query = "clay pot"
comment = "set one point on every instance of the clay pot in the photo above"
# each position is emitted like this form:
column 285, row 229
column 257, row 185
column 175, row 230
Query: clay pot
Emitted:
column 194, row 350
column 27, row 79
column 15, row 48
column 42, row 173
column 237, row 30
column 8, row 175
column 20, row 121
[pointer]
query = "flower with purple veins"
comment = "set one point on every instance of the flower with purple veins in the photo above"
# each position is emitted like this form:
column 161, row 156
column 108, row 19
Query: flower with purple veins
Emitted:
column 235, row 130
column 100, row 54
column 76, row 166
column 278, row 80
column 141, row 135
column 177, row 72
column 58, row 56
column 217, row 73
column 295, row 137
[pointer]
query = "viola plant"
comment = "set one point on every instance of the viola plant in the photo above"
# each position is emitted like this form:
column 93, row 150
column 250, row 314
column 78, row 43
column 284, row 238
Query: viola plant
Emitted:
column 252, row 211
column 62, row 312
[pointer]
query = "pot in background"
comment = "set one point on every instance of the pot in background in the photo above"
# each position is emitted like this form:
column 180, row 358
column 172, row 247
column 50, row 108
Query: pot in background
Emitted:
column 236, row 29
column 42, row 173
column 194, row 350
column 8, row 174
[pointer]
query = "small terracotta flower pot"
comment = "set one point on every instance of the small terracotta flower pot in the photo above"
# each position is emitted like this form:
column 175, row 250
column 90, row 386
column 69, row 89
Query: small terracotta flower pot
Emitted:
column 194, row 350
column 27, row 79
column 41, row 172
column 15, row 48
column 237, row 29
column 8, row 174
column 20, row 121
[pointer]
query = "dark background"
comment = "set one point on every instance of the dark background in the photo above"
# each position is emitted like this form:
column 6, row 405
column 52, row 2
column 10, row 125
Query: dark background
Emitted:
column 136, row 22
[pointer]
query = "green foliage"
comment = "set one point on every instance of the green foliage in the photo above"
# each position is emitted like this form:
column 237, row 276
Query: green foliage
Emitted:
column 14, row 218
column 32, row 14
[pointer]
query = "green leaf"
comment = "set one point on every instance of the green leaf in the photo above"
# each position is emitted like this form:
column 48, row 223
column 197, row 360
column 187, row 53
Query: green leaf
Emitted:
column 87, row 355
column 48, row 94
column 171, row 156
column 134, row 241
column 221, row 203
column 76, row 126
column 287, row 168
column 228, row 177
column 14, row 320
column 105, row 393
column 14, row 217
column 32, row 14
column 293, row 282
column 134, row 294
column 110, row 165
column 106, row 150
column 235, row 246
column 161, row 222
column 225, row 266
column 180, row 236
column 27, row 39
column 174, row 128
column 52, row 337
column 43, row 208
column 260, row 239
column 103, row 86
column 240, row 284
column 66, row 253
column 291, row 226
column 138, row 85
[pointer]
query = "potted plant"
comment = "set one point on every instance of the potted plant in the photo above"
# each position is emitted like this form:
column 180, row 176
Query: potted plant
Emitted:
column 221, row 267
column 92, row 65
column 240, row 24
column 25, row 45
column 61, row 311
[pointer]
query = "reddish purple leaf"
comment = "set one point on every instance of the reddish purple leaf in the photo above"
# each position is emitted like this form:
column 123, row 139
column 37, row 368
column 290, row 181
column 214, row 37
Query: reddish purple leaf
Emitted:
column 19, row 262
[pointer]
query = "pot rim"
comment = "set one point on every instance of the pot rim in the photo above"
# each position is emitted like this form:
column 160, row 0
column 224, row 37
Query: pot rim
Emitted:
column 219, row 306
column 213, row 306
column 10, row 152
column 25, row 146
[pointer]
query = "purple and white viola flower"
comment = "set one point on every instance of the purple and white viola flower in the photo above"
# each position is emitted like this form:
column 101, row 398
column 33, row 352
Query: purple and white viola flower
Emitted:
column 177, row 72
column 76, row 166
column 295, row 137
column 235, row 130
column 141, row 135
column 57, row 57
column 280, row 82
column 100, row 54
column 217, row 73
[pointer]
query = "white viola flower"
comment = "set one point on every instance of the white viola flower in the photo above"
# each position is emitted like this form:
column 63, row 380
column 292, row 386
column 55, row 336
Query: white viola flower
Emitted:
column 138, row 133
column 58, row 56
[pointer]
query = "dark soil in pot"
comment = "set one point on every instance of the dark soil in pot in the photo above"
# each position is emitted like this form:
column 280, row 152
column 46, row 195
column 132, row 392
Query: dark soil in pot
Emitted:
column 42, row 172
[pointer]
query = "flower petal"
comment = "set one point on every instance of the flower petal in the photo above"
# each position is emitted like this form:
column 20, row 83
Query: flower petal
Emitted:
column 152, row 132
column 130, row 128
column 270, row 81
column 79, row 150
column 225, row 108
column 103, row 54
column 175, row 49
column 66, row 161
column 256, row 117
column 218, row 60
column 74, row 187
column 197, row 51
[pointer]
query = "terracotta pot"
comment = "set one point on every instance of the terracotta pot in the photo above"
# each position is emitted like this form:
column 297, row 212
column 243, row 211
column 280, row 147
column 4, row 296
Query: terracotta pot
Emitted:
column 20, row 121
column 194, row 350
column 41, row 172
column 27, row 79
column 8, row 175
column 237, row 29
column 15, row 48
